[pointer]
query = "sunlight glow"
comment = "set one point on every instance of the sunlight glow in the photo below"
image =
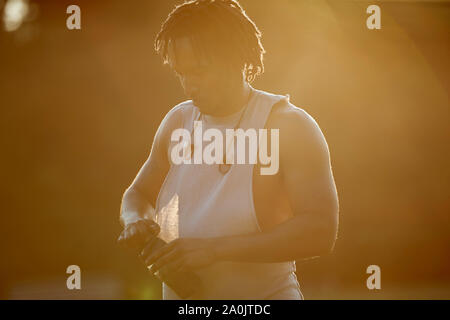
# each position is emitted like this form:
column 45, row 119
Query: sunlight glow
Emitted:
column 14, row 14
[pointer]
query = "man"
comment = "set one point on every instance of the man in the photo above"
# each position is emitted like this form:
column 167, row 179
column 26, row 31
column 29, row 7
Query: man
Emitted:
column 239, row 230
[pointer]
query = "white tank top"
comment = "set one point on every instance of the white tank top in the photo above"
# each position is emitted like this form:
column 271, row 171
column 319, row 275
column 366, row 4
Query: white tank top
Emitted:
column 198, row 201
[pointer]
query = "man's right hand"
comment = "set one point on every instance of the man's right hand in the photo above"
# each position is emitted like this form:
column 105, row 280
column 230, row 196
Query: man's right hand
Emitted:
column 137, row 233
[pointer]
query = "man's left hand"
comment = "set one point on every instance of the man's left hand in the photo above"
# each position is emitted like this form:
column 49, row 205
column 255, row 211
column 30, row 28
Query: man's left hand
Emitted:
column 182, row 254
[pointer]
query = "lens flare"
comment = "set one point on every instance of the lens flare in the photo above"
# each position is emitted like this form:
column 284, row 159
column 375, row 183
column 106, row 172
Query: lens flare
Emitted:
column 14, row 14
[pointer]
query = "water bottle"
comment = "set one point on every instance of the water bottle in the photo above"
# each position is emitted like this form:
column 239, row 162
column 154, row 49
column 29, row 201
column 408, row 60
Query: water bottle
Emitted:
column 184, row 283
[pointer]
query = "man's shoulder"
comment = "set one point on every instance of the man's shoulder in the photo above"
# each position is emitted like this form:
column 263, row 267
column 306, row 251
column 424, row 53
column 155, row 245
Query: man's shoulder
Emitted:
column 283, row 109
column 295, row 125
column 179, row 109
column 299, row 132
column 174, row 117
column 285, row 114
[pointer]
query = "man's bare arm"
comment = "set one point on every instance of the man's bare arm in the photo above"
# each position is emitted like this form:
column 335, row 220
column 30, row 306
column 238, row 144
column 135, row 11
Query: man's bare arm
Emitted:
column 308, row 179
column 140, row 197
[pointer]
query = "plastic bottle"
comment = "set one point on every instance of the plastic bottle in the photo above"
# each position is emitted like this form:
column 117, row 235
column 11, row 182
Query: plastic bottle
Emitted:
column 184, row 283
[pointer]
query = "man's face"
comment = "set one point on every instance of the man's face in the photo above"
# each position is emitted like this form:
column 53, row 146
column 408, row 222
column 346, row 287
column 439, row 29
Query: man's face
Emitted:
column 209, row 83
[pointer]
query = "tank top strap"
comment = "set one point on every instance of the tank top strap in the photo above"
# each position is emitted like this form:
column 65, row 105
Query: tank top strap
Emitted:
column 190, row 113
column 260, row 107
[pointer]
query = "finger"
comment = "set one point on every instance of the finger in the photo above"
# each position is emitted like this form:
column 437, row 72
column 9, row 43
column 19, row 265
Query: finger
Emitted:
column 121, row 239
column 133, row 235
column 173, row 267
column 125, row 235
column 168, row 258
column 147, row 229
column 132, row 230
column 142, row 231
column 159, row 253
column 153, row 227
column 140, row 226
column 149, row 247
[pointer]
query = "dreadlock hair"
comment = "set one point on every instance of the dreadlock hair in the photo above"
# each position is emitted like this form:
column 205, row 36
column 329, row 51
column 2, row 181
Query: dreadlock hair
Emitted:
column 217, row 29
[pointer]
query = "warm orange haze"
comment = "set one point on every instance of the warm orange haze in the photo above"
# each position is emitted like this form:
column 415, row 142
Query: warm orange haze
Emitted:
column 80, row 110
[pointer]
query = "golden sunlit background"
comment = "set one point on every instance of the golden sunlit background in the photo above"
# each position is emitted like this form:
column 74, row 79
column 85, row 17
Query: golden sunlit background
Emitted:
column 80, row 108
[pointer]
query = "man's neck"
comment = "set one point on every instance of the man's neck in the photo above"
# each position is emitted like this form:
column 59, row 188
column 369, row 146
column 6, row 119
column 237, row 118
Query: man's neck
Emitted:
column 235, row 102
